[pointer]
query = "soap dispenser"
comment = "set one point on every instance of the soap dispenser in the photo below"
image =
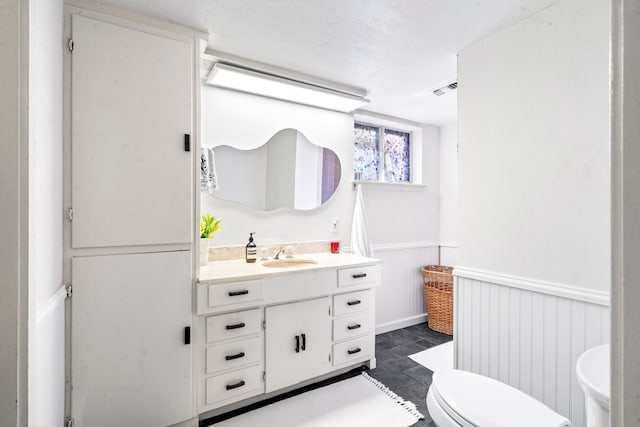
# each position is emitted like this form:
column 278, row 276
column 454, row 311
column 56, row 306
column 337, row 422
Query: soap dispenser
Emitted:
column 251, row 251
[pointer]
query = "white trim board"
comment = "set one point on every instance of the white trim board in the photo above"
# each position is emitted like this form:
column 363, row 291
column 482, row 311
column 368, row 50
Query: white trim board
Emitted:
column 408, row 245
column 402, row 323
column 549, row 288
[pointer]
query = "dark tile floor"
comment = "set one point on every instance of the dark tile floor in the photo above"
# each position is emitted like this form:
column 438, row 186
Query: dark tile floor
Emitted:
column 402, row 375
column 394, row 369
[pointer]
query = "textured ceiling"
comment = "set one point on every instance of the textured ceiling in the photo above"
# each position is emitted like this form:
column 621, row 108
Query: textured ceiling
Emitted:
column 398, row 50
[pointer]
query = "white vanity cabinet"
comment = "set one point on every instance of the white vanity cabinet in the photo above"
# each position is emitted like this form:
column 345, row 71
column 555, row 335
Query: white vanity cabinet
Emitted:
column 233, row 357
column 313, row 321
column 298, row 342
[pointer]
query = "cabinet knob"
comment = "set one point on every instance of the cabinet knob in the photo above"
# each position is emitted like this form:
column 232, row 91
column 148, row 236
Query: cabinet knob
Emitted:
column 354, row 351
column 359, row 276
column 356, row 302
column 304, row 342
column 352, row 327
column 297, row 343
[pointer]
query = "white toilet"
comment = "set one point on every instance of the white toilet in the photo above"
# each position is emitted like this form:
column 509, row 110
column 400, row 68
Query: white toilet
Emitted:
column 463, row 399
column 593, row 371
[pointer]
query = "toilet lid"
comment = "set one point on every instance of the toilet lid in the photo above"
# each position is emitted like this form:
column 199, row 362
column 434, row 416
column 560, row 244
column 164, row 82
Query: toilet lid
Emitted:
column 481, row 401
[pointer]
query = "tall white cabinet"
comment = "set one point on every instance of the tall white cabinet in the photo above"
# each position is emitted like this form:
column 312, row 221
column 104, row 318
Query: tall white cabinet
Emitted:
column 129, row 190
column 131, row 106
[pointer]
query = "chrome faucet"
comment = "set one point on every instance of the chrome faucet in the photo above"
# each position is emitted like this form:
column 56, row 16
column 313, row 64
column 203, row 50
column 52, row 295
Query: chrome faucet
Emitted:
column 277, row 255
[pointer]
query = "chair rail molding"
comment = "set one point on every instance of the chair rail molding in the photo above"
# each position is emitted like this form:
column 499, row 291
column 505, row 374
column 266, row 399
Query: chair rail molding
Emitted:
column 534, row 285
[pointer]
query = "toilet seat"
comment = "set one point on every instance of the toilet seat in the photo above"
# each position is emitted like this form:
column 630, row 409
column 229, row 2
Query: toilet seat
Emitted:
column 474, row 400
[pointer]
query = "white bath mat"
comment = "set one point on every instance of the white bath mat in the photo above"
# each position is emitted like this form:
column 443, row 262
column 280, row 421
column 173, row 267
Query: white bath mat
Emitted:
column 435, row 358
column 359, row 401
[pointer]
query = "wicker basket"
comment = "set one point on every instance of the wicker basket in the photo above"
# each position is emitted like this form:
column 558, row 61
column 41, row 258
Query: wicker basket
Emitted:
column 438, row 294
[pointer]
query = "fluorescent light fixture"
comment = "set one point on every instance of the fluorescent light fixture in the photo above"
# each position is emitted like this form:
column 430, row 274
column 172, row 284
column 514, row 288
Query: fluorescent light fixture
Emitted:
column 244, row 80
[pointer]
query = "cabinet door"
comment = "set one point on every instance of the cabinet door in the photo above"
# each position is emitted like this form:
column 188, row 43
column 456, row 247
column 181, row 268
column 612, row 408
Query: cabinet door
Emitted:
column 298, row 342
column 130, row 364
column 131, row 105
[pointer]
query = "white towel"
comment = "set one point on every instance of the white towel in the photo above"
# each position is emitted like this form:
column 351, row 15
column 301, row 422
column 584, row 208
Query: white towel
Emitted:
column 208, row 175
column 360, row 243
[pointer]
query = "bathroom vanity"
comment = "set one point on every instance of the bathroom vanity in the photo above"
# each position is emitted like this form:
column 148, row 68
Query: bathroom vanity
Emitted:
column 261, row 329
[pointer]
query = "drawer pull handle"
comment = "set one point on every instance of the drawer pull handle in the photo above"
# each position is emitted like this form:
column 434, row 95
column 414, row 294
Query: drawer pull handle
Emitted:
column 236, row 385
column 297, row 343
column 236, row 326
column 304, row 342
column 359, row 276
column 352, row 327
column 235, row 356
column 356, row 302
column 354, row 351
column 238, row 293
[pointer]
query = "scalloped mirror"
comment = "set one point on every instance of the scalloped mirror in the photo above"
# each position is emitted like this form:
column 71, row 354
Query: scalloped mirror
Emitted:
column 288, row 171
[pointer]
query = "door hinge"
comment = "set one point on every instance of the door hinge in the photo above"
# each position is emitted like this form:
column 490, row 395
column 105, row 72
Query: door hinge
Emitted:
column 329, row 357
column 264, row 376
column 329, row 310
column 70, row 44
column 264, row 325
column 70, row 214
column 68, row 422
column 67, row 287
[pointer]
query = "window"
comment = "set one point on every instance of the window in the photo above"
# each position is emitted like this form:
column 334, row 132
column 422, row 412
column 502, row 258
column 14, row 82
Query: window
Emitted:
column 381, row 154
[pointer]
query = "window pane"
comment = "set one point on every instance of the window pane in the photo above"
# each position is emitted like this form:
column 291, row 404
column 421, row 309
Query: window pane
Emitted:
column 396, row 156
column 366, row 160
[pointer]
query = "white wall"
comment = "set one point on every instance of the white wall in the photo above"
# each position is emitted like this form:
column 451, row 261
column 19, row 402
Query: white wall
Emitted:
column 449, row 194
column 247, row 121
column 46, row 394
column 533, row 148
column 534, row 201
column 12, row 256
column 397, row 215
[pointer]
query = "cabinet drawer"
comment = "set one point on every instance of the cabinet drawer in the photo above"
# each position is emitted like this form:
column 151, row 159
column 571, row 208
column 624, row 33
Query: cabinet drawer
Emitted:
column 232, row 355
column 352, row 302
column 352, row 326
column 358, row 275
column 353, row 351
column 236, row 385
column 233, row 325
column 235, row 293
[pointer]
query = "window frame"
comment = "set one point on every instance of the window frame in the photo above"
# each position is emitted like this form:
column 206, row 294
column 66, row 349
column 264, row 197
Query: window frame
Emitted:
column 382, row 126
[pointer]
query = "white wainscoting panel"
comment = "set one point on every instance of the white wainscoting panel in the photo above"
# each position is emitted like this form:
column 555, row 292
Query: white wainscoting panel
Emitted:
column 526, row 338
column 400, row 297
column 49, row 362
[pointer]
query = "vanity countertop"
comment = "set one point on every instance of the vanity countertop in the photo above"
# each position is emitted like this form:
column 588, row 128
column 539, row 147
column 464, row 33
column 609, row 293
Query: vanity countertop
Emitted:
column 217, row 272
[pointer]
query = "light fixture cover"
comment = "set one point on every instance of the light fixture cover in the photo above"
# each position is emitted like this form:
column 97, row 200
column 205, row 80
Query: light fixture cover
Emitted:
column 244, row 80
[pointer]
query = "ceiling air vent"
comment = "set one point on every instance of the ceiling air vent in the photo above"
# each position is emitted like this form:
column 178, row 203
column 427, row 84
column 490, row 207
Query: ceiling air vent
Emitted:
column 446, row 88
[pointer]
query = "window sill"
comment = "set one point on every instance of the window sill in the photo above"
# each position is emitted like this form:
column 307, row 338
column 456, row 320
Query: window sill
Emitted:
column 388, row 185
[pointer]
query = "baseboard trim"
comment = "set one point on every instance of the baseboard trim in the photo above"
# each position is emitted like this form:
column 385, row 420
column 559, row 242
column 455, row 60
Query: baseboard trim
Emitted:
column 402, row 323
column 549, row 288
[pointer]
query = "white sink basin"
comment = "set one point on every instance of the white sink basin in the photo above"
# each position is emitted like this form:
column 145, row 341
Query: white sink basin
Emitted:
column 288, row 263
column 593, row 372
